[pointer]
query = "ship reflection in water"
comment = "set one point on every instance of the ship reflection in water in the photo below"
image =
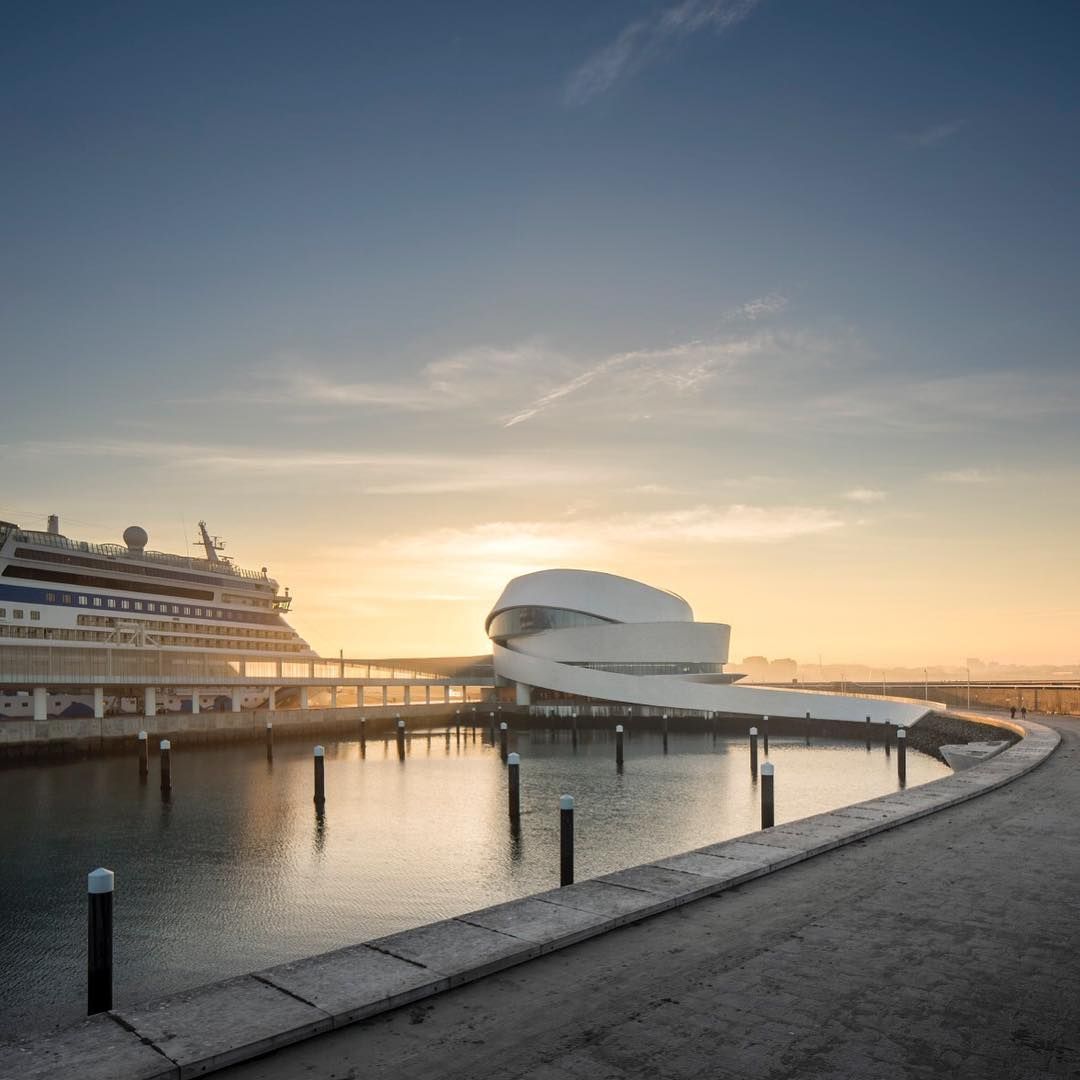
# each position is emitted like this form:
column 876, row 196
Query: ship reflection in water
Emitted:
column 237, row 871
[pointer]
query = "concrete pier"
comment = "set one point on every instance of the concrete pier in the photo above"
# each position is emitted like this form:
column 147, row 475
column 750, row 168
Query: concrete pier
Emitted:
column 943, row 948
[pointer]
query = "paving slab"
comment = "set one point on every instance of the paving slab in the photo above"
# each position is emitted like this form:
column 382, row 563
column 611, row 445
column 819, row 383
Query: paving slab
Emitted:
column 217, row 1025
column 551, row 926
column 677, row 885
column 351, row 984
column 96, row 1049
column 730, row 871
column 618, row 902
column 457, row 949
column 748, row 851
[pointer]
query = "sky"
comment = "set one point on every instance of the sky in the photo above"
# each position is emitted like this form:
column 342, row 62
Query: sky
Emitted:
column 771, row 304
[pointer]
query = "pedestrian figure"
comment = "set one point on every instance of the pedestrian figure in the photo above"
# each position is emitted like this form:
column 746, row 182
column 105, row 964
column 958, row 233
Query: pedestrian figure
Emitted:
column 1012, row 712
column 1023, row 712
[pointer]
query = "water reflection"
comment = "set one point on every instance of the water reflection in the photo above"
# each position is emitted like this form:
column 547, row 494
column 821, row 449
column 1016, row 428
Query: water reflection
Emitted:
column 233, row 874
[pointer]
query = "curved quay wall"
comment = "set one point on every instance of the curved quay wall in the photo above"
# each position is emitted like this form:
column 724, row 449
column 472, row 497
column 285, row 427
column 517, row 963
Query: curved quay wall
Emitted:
column 545, row 627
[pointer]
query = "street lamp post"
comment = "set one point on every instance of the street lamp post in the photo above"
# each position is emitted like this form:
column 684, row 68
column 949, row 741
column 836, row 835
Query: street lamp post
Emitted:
column 926, row 684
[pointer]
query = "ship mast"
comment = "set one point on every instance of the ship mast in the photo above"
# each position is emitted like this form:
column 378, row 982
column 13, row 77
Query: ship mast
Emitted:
column 211, row 544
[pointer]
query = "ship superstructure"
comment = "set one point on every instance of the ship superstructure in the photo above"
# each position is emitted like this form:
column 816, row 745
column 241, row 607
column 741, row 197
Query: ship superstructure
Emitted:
column 60, row 593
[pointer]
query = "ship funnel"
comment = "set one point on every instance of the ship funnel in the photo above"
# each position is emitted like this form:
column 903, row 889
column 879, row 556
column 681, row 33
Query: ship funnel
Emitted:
column 53, row 528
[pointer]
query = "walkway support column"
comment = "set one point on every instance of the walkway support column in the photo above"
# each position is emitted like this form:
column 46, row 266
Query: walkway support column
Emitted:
column 236, row 699
column 271, row 701
column 195, row 704
column 41, row 703
column 304, row 697
column 333, row 697
column 150, row 701
column 99, row 703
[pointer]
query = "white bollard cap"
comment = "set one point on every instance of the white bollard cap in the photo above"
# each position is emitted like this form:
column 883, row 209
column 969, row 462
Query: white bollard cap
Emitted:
column 165, row 745
column 901, row 733
column 320, row 751
column 142, row 734
column 753, row 731
column 513, row 759
column 269, row 725
column 100, row 880
column 401, row 723
column 765, row 719
column 502, row 726
column 768, row 769
column 566, row 802
column 618, row 729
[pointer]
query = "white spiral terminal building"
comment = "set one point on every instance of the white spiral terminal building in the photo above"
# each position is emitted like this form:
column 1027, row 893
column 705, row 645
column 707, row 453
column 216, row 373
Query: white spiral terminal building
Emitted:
column 581, row 634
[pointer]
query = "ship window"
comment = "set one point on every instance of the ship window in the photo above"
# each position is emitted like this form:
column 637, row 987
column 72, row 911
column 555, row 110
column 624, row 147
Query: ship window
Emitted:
column 187, row 610
column 82, row 601
column 198, row 611
column 35, row 616
column 150, row 606
column 96, row 601
column 125, row 604
column 110, row 602
column 138, row 605
column 17, row 613
column 66, row 598
column 50, row 598
column 176, row 609
column 3, row 613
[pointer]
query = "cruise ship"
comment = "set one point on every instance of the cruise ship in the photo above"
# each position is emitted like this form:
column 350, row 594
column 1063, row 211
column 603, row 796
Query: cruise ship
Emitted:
column 93, row 599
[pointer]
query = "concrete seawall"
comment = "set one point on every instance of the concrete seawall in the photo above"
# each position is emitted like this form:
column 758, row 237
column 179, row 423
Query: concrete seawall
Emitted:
column 211, row 1027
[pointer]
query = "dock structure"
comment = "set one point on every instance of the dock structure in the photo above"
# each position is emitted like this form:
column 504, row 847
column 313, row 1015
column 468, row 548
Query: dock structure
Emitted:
column 902, row 958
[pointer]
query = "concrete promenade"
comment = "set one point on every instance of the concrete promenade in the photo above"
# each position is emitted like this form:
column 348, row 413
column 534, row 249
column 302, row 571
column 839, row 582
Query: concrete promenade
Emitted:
column 949, row 947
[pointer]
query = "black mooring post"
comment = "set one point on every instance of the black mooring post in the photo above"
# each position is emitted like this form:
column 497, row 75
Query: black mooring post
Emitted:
column 768, row 815
column 166, row 766
column 566, row 840
column 144, row 756
column 901, row 756
column 618, row 746
column 513, row 771
column 753, row 752
column 320, row 776
column 99, row 941
column 765, row 735
column 503, row 737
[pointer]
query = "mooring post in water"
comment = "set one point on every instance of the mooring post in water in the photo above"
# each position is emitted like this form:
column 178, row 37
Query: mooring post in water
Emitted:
column 269, row 739
column 503, row 736
column 320, row 776
column 765, row 735
column 566, row 840
column 513, row 771
column 99, row 941
column 753, row 752
column 807, row 729
column 901, row 755
column 573, row 730
column 144, row 756
column 166, row 765
column 868, row 733
column 363, row 733
column 401, row 739
column 768, row 815
column 665, row 730
column 619, row 745
column 888, row 738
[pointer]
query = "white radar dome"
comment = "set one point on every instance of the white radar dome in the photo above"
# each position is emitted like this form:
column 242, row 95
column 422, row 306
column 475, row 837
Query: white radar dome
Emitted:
column 135, row 537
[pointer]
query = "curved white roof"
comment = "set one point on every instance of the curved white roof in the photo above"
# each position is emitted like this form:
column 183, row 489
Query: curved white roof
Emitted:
column 594, row 593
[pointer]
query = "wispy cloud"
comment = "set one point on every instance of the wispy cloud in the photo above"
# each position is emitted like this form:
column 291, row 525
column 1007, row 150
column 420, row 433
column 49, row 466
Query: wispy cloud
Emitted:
column 680, row 368
column 934, row 135
column 368, row 472
column 865, row 495
column 644, row 40
column 962, row 476
column 484, row 556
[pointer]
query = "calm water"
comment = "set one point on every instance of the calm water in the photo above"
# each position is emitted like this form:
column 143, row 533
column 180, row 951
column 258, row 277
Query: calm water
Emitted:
column 236, row 872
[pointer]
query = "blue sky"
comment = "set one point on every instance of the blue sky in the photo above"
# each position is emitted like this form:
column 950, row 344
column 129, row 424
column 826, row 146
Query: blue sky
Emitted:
column 752, row 300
